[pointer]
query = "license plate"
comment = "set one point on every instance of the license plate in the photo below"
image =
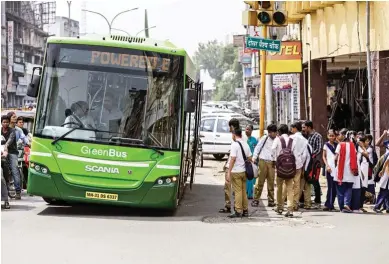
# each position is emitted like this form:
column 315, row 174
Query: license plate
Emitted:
column 102, row 196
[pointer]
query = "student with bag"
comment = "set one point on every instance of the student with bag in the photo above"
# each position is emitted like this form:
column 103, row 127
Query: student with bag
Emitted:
column 283, row 151
column 240, row 169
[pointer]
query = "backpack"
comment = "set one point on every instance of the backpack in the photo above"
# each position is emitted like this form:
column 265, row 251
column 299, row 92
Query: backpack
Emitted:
column 312, row 168
column 378, row 168
column 286, row 161
column 247, row 164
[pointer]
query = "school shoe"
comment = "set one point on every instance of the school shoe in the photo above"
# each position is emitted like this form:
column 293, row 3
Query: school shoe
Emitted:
column 245, row 213
column 18, row 196
column 347, row 209
column 235, row 215
column 377, row 211
column 289, row 214
column 271, row 204
column 6, row 205
column 279, row 211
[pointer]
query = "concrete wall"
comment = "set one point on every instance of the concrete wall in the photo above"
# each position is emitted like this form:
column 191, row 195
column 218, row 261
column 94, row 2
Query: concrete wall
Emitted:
column 341, row 29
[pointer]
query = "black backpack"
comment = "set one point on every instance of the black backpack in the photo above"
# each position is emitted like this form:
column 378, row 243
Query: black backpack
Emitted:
column 312, row 168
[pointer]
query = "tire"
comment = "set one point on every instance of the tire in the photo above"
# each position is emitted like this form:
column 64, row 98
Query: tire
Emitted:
column 218, row 156
column 52, row 201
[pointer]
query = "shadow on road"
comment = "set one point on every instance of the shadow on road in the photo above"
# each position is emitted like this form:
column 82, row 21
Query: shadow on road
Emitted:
column 202, row 203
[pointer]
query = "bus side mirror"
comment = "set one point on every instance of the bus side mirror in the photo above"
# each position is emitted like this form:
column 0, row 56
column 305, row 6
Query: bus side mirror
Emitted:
column 33, row 87
column 189, row 100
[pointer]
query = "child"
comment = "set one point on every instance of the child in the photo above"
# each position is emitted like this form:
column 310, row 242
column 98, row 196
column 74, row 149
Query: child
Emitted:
column 384, row 187
column 330, row 169
column 252, row 142
column 371, row 184
column 361, row 182
column 347, row 169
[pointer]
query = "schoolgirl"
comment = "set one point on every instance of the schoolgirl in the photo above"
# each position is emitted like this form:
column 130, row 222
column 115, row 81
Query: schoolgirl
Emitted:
column 330, row 169
column 347, row 170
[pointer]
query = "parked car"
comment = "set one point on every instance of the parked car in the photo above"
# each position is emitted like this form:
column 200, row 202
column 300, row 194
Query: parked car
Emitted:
column 215, row 132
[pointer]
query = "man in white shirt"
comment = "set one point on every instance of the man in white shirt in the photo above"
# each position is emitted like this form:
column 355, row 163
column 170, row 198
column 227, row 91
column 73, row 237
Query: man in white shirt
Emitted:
column 233, row 124
column 277, row 147
column 237, row 173
column 300, row 151
column 266, row 165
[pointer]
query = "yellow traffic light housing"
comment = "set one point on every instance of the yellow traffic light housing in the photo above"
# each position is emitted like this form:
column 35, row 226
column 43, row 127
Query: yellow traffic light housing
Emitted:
column 253, row 4
column 279, row 16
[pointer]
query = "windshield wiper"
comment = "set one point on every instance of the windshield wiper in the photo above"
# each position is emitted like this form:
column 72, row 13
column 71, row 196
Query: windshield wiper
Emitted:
column 75, row 128
column 138, row 141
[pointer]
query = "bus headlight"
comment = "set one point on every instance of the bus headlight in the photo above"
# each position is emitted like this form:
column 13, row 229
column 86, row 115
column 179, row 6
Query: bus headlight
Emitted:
column 166, row 180
column 39, row 168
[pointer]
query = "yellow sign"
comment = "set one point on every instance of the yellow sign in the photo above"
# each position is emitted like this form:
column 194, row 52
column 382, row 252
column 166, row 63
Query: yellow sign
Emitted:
column 102, row 196
column 287, row 60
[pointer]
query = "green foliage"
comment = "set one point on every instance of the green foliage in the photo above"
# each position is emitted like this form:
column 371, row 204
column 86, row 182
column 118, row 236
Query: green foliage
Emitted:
column 221, row 61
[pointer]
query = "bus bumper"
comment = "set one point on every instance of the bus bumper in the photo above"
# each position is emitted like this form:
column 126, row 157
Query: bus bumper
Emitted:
column 148, row 195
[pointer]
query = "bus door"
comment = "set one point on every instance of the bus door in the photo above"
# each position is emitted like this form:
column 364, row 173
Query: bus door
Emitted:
column 196, row 131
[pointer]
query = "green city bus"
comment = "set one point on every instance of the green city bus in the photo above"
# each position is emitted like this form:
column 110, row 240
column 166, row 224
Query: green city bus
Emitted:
column 110, row 122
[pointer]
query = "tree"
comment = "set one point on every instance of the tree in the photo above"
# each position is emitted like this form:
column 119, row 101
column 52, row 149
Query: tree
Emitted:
column 221, row 61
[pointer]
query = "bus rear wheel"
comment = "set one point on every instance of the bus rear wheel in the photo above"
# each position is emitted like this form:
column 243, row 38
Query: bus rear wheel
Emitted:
column 52, row 201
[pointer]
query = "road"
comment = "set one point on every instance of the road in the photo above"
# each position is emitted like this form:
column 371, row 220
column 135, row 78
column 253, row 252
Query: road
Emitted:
column 33, row 232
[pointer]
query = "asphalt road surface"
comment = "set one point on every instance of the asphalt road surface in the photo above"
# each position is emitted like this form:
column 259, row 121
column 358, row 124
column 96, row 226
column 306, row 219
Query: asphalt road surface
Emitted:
column 33, row 232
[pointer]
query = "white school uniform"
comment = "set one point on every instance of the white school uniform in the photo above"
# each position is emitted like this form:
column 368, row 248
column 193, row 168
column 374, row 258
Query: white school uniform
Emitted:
column 363, row 167
column 330, row 160
column 383, row 183
column 348, row 176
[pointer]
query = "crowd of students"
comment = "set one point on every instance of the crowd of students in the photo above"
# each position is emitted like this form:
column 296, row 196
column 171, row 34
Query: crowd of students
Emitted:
column 293, row 159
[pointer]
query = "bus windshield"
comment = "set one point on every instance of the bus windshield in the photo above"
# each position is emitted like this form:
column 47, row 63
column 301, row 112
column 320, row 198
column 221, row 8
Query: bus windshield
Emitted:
column 116, row 92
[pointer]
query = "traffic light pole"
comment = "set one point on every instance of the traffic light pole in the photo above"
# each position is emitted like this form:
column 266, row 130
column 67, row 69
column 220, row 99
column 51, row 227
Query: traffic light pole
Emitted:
column 262, row 59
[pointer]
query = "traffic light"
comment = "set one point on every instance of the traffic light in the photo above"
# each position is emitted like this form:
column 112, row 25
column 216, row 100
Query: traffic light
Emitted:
column 270, row 14
column 267, row 13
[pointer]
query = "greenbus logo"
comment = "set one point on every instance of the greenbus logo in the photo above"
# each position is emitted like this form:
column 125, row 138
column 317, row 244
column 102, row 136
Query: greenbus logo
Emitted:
column 103, row 152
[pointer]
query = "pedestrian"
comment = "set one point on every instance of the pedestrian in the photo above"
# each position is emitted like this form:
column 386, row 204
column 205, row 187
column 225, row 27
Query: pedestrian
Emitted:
column 361, row 182
column 300, row 152
column 347, row 170
column 252, row 142
column 233, row 124
column 237, row 173
column 20, row 124
column 371, row 184
column 330, row 169
column 266, row 166
column 383, row 141
column 316, row 142
column 281, row 143
column 11, row 152
column 383, row 195
column 20, row 135
column 4, row 192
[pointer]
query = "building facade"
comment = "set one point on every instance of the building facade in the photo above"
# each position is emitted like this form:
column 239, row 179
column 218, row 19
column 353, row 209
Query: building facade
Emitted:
column 334, row 84
column 23, row 40
column 64, row 27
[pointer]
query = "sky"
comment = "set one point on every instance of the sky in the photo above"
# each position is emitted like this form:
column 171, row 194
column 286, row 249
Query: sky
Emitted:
column 185, row 23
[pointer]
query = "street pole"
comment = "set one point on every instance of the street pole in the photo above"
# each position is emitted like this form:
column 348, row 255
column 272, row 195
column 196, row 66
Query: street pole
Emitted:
column 263, row 86
column 69, row 23
column 113, row 19
column 369, row 84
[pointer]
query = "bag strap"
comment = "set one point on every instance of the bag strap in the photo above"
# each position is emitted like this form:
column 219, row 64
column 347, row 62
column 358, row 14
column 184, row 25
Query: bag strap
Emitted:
column 243, row 154
column 290, row 143
column 260, row 150
column 283, row 143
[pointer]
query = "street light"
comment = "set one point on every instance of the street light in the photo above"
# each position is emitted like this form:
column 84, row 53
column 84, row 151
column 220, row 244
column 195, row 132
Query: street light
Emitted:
column 145, row 30
column 113, row 19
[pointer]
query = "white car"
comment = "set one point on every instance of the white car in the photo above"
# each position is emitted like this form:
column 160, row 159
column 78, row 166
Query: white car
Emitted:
column 215, row 132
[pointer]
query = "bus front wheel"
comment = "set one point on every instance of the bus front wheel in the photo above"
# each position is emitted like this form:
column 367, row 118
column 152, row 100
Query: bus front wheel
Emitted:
column 52, row 201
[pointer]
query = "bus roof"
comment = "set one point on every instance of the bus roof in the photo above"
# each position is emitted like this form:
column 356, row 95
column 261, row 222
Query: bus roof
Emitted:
column 138, row 43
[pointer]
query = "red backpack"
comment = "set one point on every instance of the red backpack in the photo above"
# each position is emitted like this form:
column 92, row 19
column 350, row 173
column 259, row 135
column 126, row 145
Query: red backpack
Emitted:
column 286, row 161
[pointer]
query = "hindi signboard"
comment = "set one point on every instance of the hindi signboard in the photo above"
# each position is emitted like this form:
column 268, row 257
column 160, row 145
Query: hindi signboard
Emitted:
column 263, row 44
